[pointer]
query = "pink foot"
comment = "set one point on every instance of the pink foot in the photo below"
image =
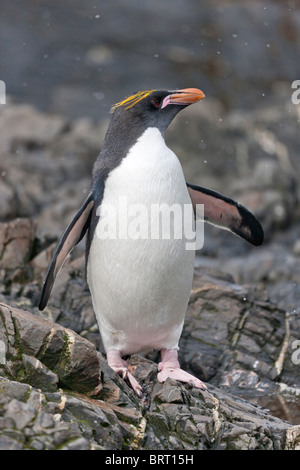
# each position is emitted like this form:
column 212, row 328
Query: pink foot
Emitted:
column 169, row 367
column 120, row 367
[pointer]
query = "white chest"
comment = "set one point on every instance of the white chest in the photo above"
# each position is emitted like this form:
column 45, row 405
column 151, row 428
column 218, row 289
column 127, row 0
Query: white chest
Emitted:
column 140, row 287
column 150, row 173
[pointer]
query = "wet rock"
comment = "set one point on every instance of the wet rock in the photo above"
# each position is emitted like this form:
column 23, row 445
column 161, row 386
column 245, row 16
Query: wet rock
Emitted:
column 72, row 361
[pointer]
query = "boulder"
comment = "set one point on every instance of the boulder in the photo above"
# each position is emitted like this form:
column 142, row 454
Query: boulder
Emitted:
column 45, row 354
column 16, row 247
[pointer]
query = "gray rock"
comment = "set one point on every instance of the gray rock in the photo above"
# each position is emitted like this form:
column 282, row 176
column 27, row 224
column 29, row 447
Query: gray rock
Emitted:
column 16, row 245
column 170, row 415
column 72, row 359
column 174, row 417
column 24, row 125
column 39, row 375
column 245, row 336
column 24, row 426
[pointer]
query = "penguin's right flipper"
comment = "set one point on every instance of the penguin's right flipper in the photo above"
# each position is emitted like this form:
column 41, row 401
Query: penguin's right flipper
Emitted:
column 73, row 234
column 226, row 213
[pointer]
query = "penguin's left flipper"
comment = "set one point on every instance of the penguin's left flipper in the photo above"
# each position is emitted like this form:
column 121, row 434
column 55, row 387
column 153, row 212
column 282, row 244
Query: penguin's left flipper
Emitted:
column 226, row 213
column 73, row 234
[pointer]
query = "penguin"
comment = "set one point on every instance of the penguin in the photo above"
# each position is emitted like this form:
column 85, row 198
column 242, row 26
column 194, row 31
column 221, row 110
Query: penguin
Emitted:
column 140, row 286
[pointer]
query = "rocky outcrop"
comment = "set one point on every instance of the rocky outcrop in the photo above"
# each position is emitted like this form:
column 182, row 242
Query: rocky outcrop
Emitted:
column 58, row 393
column 45, row 354
column 240, row 341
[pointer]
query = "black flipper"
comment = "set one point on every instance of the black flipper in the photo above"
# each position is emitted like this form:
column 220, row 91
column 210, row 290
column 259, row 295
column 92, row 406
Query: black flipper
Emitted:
column 73, row 234
column 226, row 213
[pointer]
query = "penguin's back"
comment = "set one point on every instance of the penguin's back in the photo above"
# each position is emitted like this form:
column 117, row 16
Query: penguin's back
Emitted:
column 140, row 282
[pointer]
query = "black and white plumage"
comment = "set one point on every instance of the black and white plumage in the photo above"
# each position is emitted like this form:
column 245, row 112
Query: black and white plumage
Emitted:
column 140, row 287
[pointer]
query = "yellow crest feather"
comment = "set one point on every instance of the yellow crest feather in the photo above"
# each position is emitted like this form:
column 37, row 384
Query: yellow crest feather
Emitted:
column 132, row 100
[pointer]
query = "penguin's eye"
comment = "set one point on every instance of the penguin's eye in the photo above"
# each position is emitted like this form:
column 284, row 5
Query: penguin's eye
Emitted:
column 155, row 103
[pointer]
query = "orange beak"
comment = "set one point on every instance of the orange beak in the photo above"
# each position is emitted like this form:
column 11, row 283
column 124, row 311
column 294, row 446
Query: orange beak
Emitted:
column 184, row 97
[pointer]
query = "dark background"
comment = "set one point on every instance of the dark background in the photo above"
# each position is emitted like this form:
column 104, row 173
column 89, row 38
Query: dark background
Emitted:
column 77, row 58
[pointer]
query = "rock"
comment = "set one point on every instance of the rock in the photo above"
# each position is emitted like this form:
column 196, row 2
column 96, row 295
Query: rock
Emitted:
column 24, row 125
column 200, row 420
column 236, row 338
column 47, row 148
column 16, row 245
column 38, row 375
column 26, row 427
column 175, row 417
column 296, row 248
column 35, row 345
column 20, row 413
column 44, row 355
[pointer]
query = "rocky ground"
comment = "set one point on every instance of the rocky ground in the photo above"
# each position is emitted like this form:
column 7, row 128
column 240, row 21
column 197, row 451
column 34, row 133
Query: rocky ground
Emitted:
column 57, row 391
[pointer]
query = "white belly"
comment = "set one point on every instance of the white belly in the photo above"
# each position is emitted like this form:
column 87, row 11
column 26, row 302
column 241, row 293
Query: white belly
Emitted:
column 140, row 287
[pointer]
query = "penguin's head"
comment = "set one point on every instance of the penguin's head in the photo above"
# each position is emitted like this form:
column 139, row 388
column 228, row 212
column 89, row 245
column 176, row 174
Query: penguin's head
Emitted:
column 154, row 108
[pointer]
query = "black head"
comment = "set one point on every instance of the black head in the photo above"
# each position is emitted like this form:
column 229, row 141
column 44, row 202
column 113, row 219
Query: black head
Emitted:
column 154, row 108
column 133, row 116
